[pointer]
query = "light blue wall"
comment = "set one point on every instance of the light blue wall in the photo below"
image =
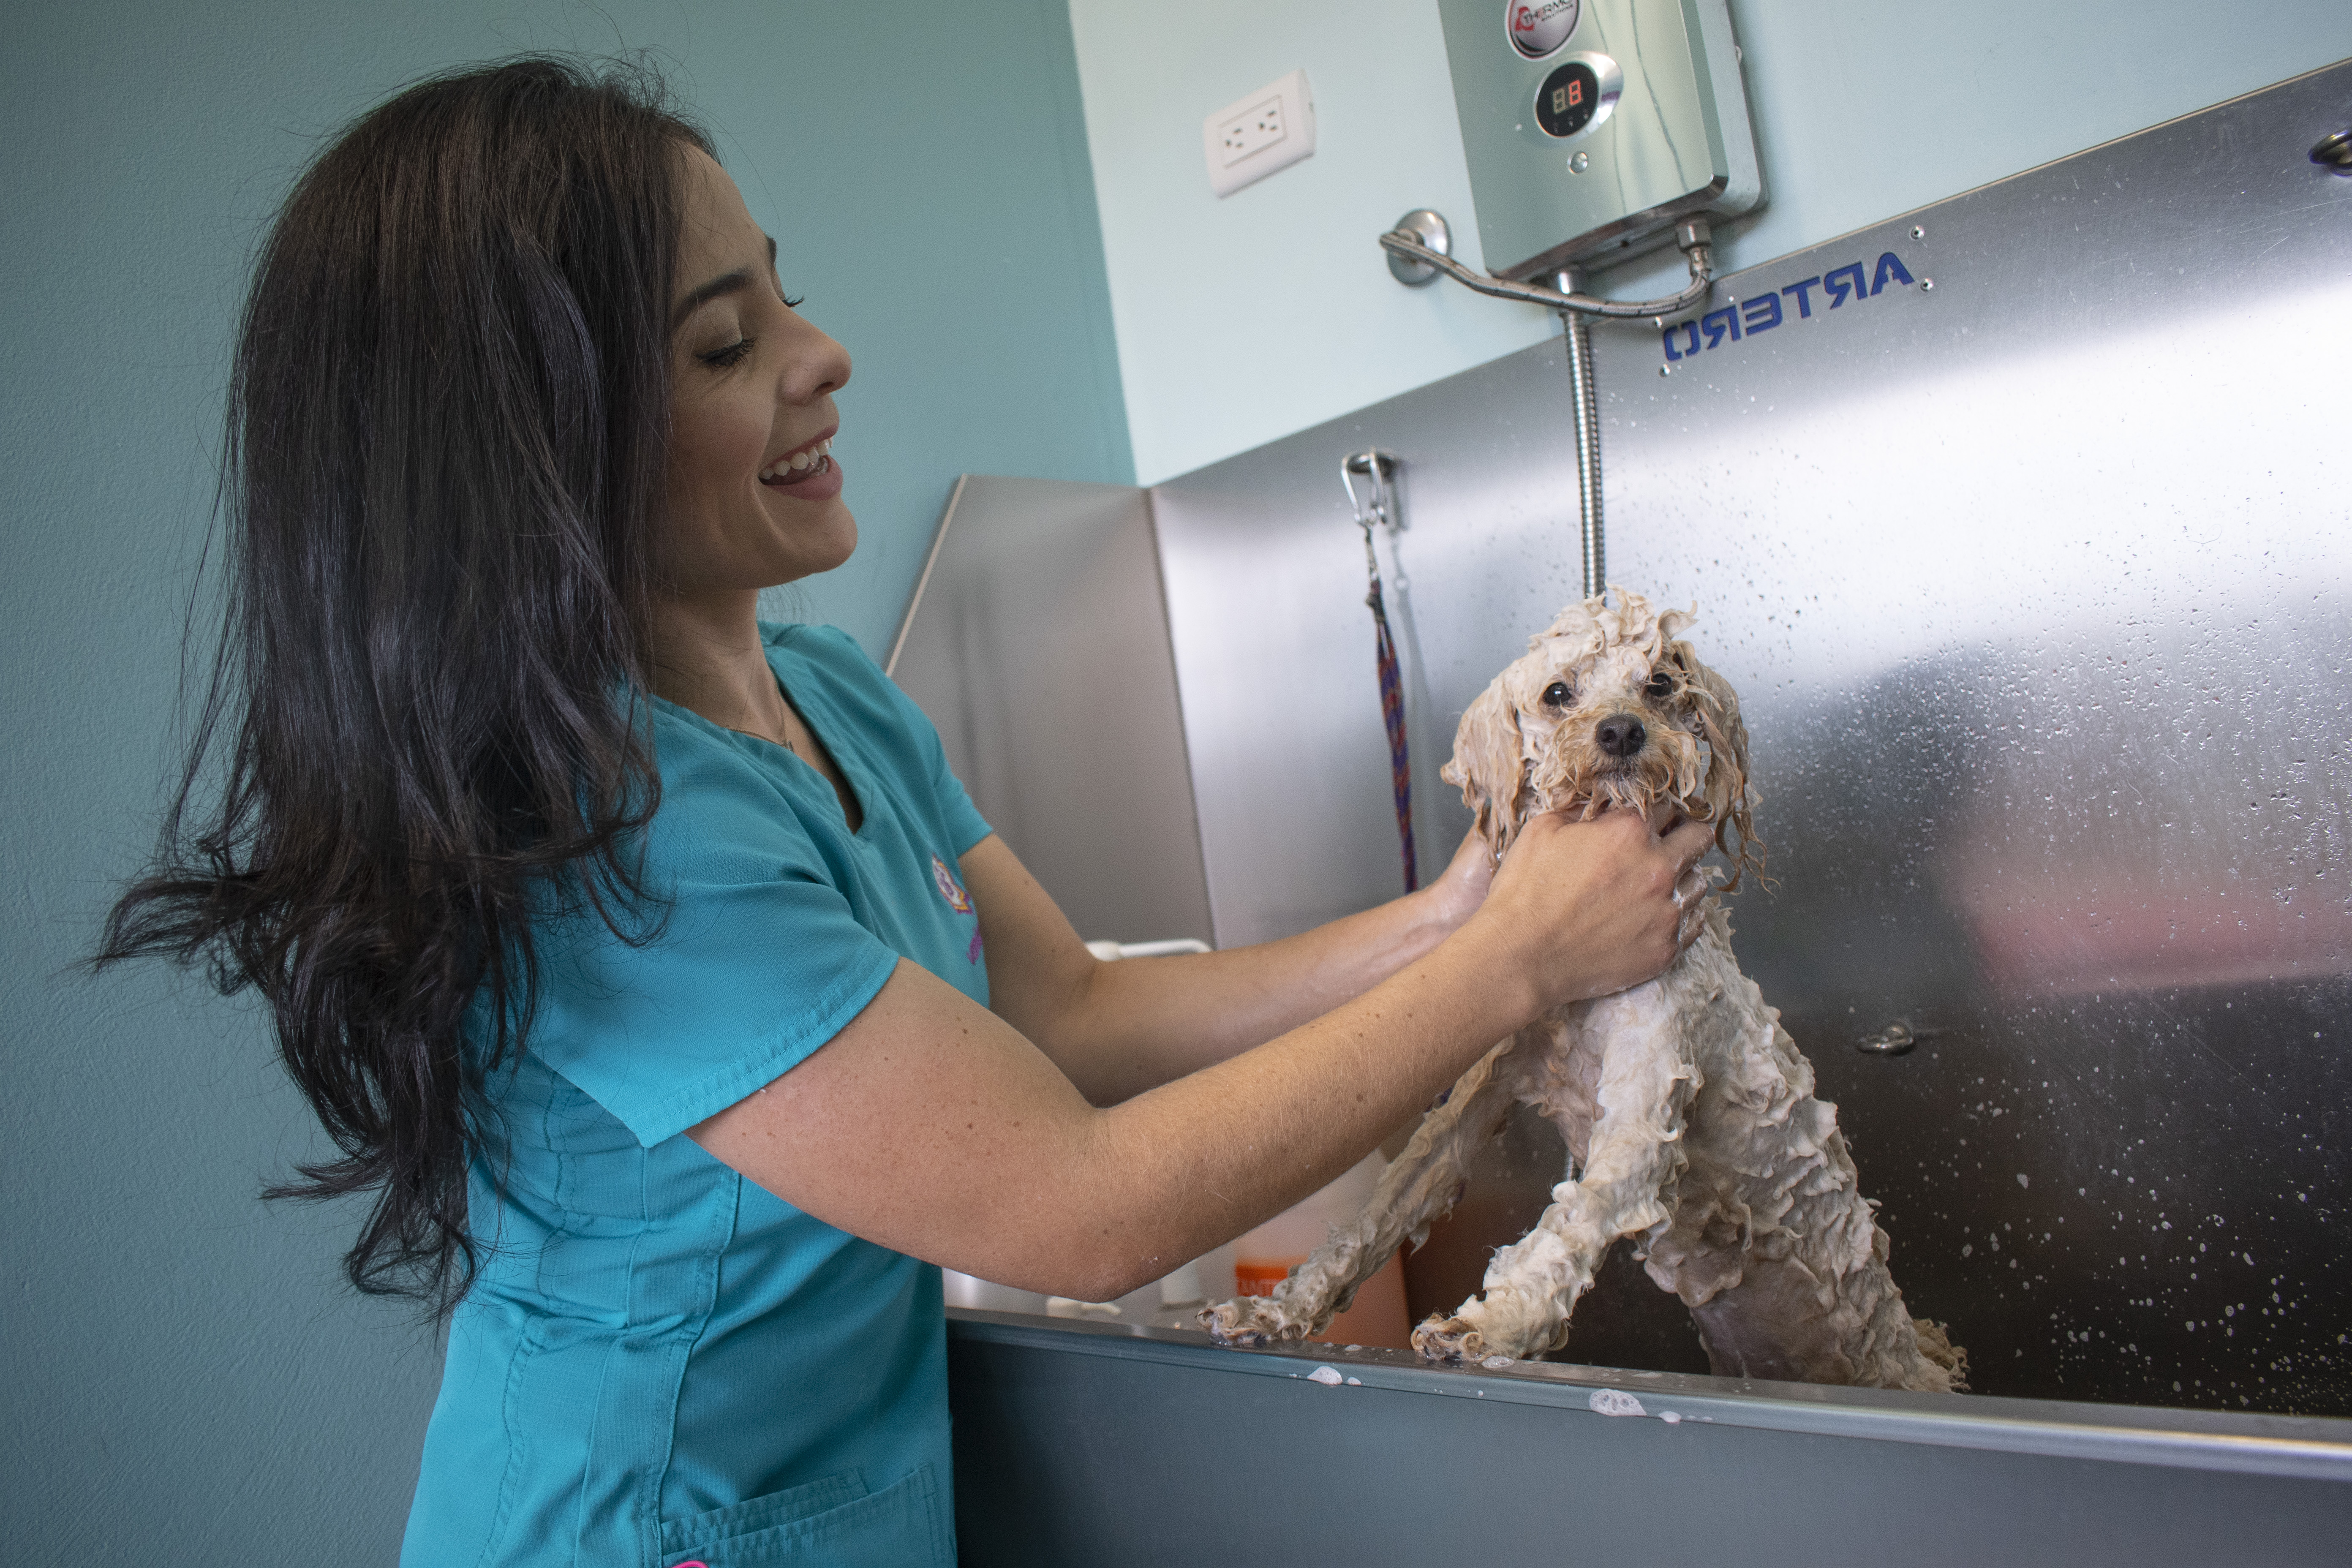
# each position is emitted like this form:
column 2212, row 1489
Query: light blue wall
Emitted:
column 188, row 1382
column 1244, row 319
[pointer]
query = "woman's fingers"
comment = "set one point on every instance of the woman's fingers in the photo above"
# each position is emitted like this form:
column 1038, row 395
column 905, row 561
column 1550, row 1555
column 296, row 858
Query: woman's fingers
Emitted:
column 1690, row 842
column 1463, row 886
column 1603, row 904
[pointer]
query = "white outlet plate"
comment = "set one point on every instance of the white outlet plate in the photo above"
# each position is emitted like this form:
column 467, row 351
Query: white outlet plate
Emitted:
column 1251, row 137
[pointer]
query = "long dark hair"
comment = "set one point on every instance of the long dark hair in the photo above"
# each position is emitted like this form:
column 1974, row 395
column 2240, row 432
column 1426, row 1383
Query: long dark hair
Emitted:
column 447, row 449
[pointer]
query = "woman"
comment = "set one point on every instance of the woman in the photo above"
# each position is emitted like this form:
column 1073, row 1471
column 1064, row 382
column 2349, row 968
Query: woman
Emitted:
column 645, row 962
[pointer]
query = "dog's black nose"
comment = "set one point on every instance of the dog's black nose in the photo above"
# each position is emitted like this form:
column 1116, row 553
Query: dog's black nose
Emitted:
column 1620, row 734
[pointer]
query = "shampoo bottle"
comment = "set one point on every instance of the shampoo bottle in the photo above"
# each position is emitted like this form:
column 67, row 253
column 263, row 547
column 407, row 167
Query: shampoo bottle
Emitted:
column 1265, row 1257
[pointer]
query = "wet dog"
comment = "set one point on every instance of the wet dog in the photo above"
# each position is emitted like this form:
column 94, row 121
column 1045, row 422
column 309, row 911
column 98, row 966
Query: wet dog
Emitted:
column 1688, row 1112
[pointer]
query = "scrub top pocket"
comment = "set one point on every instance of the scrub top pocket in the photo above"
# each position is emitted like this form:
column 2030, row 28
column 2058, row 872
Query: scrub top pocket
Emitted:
column 831, row 1523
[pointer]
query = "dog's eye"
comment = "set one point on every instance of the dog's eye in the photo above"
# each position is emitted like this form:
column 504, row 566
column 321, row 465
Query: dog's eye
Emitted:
column 1557, row 694
column 1661, row 686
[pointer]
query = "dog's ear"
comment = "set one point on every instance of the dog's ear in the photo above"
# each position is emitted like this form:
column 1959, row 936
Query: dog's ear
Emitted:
column 1490, row 765
column 1725, row 789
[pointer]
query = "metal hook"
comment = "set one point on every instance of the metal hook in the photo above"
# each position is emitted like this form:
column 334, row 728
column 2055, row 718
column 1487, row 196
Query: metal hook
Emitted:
column 1379, row 466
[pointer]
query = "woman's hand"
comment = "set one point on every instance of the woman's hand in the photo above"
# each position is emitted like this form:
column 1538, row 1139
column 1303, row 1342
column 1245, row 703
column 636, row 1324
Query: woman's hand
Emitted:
column 1586, row 908
column 1461, row 887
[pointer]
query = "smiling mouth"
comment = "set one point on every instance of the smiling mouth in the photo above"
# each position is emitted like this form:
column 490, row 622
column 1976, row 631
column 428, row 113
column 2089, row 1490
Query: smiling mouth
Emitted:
column 805, row 464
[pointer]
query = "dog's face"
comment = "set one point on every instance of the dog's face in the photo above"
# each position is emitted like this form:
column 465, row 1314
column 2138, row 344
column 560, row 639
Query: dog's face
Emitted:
column 1608, row 709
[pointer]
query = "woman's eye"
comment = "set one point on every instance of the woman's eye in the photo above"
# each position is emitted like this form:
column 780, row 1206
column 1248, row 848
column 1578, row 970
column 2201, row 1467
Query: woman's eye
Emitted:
column 1556, row 695
column 732, row 354
column 1661, row 686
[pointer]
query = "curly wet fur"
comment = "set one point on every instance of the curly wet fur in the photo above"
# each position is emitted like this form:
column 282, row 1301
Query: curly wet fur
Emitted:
column 1688, row 1112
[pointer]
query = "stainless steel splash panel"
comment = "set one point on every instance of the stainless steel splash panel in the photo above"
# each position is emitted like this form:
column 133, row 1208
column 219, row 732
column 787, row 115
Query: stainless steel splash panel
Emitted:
column 1038, row 644
column 2037, row 584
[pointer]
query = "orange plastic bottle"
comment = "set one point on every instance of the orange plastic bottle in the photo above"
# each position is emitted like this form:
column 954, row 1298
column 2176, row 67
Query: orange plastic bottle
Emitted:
column 1265, row 1257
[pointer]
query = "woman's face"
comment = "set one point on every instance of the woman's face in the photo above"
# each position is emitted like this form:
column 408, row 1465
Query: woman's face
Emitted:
column 754, row 499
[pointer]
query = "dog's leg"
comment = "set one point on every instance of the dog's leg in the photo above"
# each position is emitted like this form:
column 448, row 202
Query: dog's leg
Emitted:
column 1635, row 1154
column 1415, row 1191
column 1772, row 1246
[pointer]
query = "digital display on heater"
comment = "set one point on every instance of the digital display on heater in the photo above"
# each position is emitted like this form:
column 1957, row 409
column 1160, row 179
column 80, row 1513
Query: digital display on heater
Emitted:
column 1567, row 100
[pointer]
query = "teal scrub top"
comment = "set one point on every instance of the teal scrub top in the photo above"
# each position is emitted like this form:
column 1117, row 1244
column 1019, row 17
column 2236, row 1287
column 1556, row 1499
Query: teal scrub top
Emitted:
column 660, row 1362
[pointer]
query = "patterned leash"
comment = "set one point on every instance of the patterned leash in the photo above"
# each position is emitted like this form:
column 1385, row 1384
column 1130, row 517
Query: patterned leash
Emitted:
column 1380, row 469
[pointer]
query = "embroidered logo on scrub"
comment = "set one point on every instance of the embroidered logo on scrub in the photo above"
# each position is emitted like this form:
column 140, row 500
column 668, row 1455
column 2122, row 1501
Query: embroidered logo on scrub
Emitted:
column 949, row 888
column 959, row 901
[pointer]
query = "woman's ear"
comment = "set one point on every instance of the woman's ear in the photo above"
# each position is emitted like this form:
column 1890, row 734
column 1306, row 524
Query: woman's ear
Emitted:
column 1725, row 789
column 1490, row 765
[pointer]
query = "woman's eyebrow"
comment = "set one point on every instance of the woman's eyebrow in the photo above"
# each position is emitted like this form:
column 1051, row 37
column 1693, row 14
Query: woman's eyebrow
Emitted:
column 724, row 284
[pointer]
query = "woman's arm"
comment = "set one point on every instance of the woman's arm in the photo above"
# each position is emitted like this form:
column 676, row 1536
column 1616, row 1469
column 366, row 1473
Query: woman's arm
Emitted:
column 931, row 1125
column 1118, row 1029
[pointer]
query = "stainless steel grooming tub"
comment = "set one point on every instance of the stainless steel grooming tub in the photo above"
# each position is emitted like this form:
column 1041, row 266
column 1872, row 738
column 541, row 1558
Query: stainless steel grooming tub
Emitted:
column 2021, row 522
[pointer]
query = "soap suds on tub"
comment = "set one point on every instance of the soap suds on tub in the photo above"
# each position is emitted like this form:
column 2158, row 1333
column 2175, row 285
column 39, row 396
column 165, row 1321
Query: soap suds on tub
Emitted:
column 1326, row 1375
column 1615, row 1402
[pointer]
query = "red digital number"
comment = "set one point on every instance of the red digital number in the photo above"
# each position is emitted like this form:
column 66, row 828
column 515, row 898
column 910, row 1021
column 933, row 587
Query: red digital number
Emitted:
column 1575, row 93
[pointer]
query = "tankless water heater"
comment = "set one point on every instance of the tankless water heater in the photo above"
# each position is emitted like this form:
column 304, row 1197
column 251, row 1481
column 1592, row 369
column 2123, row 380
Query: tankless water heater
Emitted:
column 1593, row 127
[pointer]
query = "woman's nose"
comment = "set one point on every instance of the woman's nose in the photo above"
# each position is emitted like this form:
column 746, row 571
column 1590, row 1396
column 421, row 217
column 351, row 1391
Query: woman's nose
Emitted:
column 816, row 367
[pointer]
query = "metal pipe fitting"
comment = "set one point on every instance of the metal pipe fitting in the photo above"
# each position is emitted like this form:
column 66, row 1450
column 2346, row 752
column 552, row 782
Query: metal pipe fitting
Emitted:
column 1692, row 236
column 1415, row 262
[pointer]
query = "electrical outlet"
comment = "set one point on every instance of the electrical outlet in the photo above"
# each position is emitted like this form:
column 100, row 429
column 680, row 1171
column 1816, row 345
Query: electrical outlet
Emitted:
column 1250, row 138
column 1244, row 134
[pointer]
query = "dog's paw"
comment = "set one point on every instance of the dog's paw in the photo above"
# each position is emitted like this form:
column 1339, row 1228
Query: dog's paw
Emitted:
column 1945, row 1365
column 1251, row 1321
column 1449, row 1339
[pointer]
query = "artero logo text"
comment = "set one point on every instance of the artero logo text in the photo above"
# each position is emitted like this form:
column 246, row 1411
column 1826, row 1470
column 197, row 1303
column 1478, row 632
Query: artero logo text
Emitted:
column 1762, row 312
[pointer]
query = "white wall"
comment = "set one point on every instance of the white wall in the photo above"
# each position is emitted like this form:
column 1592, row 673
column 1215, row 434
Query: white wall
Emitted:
column 1245, row 318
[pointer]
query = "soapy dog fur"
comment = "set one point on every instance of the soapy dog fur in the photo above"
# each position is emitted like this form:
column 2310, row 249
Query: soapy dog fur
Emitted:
column 1688, row 1112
